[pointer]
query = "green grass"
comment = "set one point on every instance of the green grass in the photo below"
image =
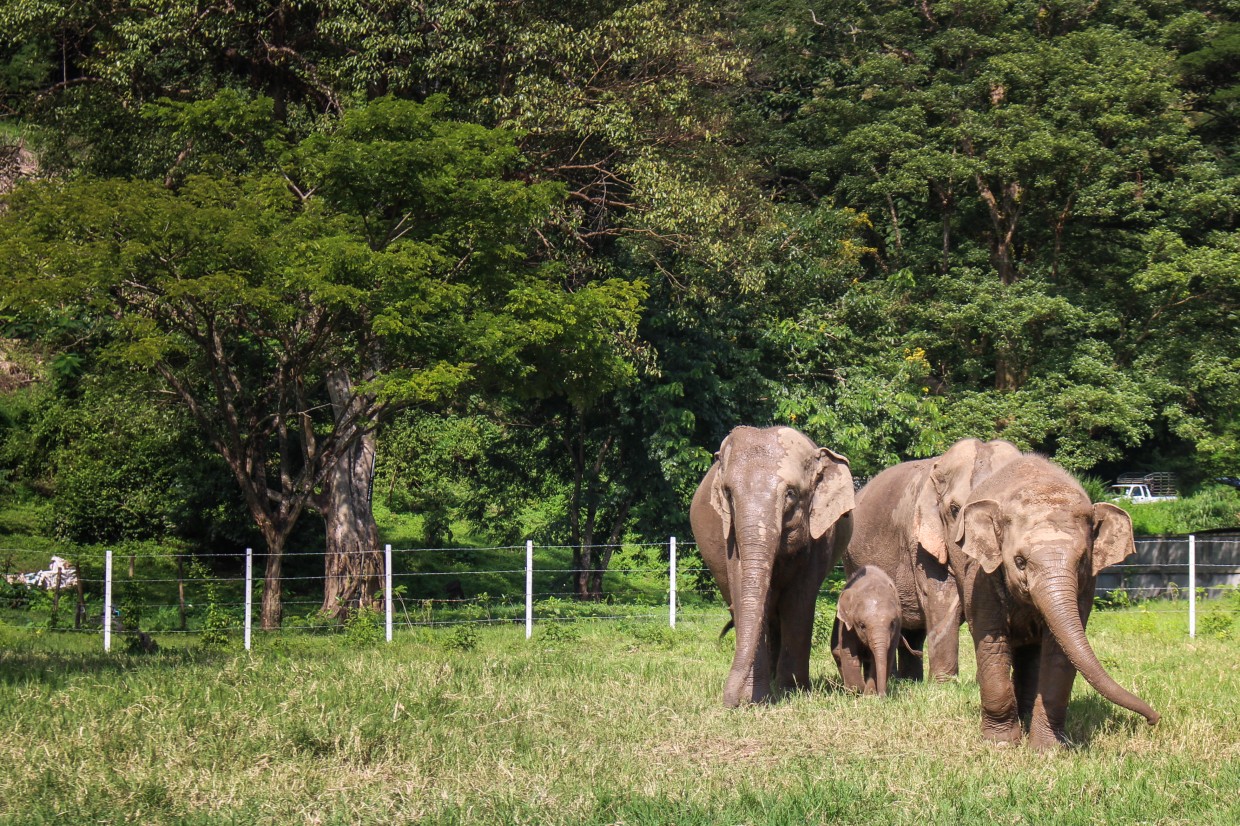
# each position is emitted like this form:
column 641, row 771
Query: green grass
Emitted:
column 602, row 723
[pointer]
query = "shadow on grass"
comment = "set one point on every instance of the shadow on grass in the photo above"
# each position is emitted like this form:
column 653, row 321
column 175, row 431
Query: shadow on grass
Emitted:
column 832, row 684
column 1093, row 713
column 24, row 665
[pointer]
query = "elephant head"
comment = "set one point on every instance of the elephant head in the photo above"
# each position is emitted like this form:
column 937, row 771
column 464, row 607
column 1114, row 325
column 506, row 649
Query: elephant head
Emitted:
column 1037, row 530
column 947, row 488
column 776, row 496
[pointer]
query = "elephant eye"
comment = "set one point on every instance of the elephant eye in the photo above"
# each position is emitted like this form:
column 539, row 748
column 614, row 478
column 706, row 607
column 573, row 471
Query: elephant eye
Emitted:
column 1020, row 563
column 791, row 498
column 955, row 511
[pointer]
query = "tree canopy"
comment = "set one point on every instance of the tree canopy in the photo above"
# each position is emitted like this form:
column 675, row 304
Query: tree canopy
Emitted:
column 589, row 240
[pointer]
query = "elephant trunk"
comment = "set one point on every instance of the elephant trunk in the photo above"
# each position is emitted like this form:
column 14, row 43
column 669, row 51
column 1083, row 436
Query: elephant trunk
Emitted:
column 882, row 660
column 749, row 679
column 1058, row 604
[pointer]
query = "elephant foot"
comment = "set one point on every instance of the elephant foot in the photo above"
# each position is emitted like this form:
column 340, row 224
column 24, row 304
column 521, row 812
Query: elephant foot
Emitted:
column 1003, row 734
column 1044, row 738
column 1045, row 743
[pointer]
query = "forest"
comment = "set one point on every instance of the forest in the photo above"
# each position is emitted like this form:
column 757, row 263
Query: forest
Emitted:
column 516, row 267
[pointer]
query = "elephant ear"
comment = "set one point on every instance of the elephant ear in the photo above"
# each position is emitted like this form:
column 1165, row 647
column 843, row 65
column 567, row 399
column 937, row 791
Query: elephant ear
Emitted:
column 927, row 523
column 1112, row 536
column 843, row 610
column 979, row 535
column 833, row 492
column 719, row 500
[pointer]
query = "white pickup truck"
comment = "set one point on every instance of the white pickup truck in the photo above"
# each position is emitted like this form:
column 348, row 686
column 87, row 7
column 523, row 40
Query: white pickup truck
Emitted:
column 1138, row 493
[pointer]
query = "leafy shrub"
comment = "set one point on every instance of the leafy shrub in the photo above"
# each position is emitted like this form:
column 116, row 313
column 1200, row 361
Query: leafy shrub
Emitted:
column 1096, row 488
column 1218, row 625
column 462, row 638
column 363, row 627
column 824, row 621
column 557, row 632
column 313, row 622
column 1113, row 599
column 216, row 623
column 1214, row 507
column 653, row 635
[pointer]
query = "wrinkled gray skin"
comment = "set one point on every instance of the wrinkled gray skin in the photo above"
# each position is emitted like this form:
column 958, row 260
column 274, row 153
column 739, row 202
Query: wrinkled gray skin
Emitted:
column 904, row 519
column 770, row 519
column 1027, row 555
column 866, row 633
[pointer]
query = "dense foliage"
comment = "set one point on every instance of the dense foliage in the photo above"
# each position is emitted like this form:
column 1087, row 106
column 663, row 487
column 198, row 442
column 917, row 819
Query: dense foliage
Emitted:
column 560, row 250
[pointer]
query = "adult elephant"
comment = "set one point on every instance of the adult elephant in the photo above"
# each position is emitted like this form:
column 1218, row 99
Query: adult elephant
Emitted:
column 904, row 519
column 1026, row 555
column 770, row 519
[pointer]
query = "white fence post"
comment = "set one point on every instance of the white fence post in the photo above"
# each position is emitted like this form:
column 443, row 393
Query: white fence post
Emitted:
column 1192, row 585
column 671, row 595
column 387, row 589
column 249, row 594
column 107, row 601
column 529, row 588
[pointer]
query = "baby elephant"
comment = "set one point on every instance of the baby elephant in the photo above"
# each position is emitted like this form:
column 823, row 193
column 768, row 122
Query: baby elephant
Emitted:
column 867, row 630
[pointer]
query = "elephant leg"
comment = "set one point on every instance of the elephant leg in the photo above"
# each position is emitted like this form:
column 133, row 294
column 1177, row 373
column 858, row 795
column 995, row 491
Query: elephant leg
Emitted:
column 909, row 666
column 795, row 615
column 795, row 640
column 1054, row 687
column 1000, row 720
column 1025, row 668
column 845, row 647
column 779, row 662
column 871, row 672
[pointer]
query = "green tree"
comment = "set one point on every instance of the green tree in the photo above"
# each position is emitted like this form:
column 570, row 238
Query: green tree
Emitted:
column 247, row 294
column 1012, row 157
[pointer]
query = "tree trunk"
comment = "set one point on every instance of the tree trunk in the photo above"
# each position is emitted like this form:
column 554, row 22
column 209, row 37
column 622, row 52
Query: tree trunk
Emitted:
column 946, row 200
column 354, row 567
column 181, row 589
column 604, row 559
column 1007, row 377
column 272, row 610
column 586, row 493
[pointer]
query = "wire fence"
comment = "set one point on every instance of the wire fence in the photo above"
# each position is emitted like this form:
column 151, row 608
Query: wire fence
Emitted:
column 521, row 585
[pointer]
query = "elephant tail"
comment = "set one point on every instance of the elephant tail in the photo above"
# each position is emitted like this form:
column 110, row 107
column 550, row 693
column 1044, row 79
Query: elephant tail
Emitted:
column 730, row 625
column 910, row 649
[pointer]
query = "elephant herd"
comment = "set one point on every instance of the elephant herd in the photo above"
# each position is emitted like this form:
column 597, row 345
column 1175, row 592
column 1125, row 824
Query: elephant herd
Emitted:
column 1007, row 542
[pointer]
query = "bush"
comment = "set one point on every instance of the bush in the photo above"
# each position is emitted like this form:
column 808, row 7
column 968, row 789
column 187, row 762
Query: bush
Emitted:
column 363, row 627
column 216, row 623
column 824, row 621
column 1218, row 625
column 653, row 636
column 1213, row 507
column 462, row 638
column 1113, row 599
column 557, row 632
column 1095, row 487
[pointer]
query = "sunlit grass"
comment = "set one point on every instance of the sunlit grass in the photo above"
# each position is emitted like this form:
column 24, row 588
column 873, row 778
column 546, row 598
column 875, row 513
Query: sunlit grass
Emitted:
column 589, row 722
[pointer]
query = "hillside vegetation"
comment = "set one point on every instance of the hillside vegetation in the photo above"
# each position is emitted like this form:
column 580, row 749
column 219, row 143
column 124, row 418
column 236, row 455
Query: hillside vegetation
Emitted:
column 513, row 270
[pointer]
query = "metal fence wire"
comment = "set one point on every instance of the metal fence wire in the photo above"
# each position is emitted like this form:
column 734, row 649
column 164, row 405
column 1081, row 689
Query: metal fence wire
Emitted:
column 510, row 585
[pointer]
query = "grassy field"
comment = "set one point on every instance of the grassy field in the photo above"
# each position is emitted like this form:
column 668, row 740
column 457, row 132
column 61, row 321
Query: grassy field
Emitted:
column 588, row 723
